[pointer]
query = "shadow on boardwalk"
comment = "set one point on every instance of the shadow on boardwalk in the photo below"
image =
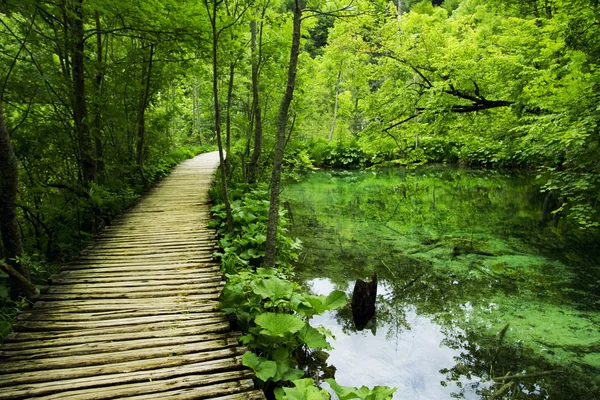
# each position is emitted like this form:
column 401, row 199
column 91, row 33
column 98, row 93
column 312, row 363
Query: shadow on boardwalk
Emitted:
column 134, row 316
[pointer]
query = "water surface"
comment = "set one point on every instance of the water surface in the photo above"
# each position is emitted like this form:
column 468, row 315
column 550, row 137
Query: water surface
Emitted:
column 475, row 283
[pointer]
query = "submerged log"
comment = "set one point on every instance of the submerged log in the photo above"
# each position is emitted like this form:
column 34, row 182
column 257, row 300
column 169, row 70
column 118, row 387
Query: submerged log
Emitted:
column 363, row 301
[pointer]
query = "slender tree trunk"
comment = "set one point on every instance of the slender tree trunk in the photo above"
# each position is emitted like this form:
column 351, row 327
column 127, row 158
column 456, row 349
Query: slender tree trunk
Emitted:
column 195, row 109
column 548, row 10
column 96, row 128
column 9, row 227
column 228, row 115
column 335, row 105
column 80, row 114
column 215, row 82
column 271, row 250
column 141, row 119
column 400, row 12
column 253, row 171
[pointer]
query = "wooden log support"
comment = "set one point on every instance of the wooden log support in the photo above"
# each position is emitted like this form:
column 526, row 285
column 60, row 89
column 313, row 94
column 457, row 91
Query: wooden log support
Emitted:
column 135, row 315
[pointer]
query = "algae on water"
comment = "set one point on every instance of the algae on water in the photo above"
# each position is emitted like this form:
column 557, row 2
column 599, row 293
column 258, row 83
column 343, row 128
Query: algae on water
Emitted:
column 470, row 250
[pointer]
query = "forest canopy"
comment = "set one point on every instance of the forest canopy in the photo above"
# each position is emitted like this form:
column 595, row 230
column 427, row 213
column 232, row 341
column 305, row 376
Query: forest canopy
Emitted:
column 99, row 98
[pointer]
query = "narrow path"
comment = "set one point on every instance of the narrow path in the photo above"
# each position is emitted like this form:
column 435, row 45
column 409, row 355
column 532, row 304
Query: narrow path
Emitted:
column 134, row 316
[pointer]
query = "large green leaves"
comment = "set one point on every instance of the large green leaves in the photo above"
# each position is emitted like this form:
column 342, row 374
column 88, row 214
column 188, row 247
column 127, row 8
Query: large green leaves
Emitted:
column 304, row 389
column 279, row 324
column 274, row 288
column 263, row 368
column 363, row 393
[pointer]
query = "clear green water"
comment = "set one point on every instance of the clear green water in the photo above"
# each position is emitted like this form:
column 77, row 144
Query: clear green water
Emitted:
column 461, row 257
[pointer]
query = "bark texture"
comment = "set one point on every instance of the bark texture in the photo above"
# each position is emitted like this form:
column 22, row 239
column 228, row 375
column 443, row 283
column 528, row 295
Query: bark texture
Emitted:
column 271, row 250
column 253, row 170
column 9, row 227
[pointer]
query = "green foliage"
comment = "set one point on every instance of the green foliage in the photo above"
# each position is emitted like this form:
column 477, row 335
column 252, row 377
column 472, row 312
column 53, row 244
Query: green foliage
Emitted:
column 273, row 311
column 245, row 245
column 364, row 393
column 305, row 389
column 8, row 315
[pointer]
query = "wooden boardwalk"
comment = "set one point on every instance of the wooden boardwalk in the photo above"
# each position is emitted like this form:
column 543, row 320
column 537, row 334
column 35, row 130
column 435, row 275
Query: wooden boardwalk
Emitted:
column 134, row 316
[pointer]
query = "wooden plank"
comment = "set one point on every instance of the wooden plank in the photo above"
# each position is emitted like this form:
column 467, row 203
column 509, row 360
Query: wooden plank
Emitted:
column 92, row 258
column 99, row 315
column 142, row 266
column 192, row 390
column 121, row 304
column 127, row 281
column 86, row 360
column 209, row 293
column 60, row 386
column 253, row 395
column 154, row 271
column 211, row 325
column 107, row 347
column 119, row 287
column 7, row 380
column 33, row 325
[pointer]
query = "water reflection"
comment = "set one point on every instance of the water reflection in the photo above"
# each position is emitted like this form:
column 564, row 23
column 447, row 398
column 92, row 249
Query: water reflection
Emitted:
column 477, row 298
column 408, row 354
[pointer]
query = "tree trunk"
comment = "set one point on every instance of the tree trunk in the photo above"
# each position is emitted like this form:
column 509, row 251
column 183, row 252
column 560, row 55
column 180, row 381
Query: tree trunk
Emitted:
column 196, row 128
column 335, row 105
column 80, row 114
column 271, row 250
column 141, row 119
column 9, row 227
column 228, row 116
column 253, row 170
column 96, row 128
column 215, row 82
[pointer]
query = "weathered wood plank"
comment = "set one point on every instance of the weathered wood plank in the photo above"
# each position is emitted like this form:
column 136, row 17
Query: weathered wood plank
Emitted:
column 177, row 303
column 107, row 347
column 194, row 265
column 60, row 386
column 253, row 395
column 64, row 314
column 118, row 288
column 7, row 380
column 210, row 325
column 143, row 271
column 186, row 388
column 33, row 325
column 210, row 293
column 127, row 281
column 75, row 361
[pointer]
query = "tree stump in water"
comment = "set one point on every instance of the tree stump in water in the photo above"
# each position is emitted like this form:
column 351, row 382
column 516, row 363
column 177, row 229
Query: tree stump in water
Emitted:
column 363, row 301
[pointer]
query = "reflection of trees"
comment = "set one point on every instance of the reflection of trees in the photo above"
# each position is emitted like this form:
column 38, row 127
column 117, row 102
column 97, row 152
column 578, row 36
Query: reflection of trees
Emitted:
column 428, row 239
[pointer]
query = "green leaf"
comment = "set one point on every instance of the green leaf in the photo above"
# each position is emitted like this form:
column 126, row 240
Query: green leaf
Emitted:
column 313, row 338
column 278, row 324
column 263, row 368
column 284, row 372
column 336, row 299
column 305, row 390
column 274, row 288
column 364, row 393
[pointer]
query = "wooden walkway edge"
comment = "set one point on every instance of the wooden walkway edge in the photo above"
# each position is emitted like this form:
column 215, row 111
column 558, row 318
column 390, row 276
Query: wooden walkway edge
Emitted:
column 134, row 317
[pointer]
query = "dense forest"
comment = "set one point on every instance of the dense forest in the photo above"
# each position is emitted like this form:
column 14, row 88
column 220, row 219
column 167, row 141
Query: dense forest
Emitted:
column 100, row 98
